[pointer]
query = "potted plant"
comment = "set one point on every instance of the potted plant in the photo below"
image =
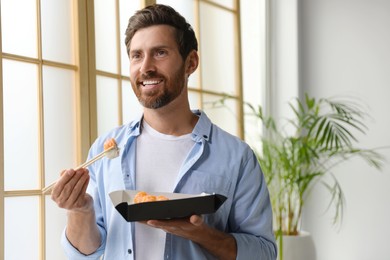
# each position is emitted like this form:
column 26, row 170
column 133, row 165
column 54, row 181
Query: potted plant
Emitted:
column 297, row 154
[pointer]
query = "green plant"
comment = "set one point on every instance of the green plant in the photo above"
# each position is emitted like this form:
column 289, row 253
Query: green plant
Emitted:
column 297, row 155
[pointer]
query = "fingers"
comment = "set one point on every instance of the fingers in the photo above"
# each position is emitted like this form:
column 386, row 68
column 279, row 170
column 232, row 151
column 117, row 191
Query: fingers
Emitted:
column 69, row 191
column 75, row 189
column 177, row 226
column 63, row 172
column 196, row 220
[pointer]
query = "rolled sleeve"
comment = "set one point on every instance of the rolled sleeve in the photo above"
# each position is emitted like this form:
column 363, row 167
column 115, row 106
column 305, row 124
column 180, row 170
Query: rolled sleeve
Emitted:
column 74, row 254
column 246, row 249
column 252, row 220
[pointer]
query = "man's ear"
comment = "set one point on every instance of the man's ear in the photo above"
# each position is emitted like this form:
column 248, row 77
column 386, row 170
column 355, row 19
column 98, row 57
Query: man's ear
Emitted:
column 192, row 62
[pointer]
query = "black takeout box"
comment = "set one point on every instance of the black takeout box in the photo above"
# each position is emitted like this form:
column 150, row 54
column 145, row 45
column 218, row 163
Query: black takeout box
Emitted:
column 178, row 206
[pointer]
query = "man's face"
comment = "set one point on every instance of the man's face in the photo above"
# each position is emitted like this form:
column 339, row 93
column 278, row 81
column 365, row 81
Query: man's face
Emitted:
column 157, row 71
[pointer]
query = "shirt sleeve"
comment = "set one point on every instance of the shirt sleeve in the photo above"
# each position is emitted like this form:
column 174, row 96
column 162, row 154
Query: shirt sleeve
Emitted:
column 72, row 253
column 251, row 217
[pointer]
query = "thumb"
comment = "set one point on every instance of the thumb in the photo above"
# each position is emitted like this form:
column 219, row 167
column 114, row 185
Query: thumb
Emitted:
column 196, row 220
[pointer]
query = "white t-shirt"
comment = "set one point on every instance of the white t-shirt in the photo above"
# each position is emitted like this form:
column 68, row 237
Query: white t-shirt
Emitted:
column 159, row 158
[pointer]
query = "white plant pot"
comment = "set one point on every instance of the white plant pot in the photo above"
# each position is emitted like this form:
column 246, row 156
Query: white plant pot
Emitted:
column 300, row 247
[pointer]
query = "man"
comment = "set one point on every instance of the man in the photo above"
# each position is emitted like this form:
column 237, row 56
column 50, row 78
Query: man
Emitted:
column 171, row 149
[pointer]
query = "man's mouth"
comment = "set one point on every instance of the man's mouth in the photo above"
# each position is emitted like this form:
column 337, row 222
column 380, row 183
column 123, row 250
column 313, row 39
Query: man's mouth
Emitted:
column 146, row 83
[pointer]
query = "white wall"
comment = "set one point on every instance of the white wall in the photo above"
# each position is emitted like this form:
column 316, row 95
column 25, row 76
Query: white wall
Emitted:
column 345, row 50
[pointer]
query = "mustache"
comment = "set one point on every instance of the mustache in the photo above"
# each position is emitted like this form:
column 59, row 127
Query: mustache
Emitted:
column 149, row 75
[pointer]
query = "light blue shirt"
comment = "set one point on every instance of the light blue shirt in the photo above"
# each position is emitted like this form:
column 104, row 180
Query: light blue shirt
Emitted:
column 218, row 163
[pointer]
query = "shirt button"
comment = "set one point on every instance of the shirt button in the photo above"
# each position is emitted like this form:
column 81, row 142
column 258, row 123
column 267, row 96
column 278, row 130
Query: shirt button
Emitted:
column 129, row 251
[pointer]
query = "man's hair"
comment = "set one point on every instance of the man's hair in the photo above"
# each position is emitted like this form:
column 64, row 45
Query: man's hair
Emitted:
column 162, row 14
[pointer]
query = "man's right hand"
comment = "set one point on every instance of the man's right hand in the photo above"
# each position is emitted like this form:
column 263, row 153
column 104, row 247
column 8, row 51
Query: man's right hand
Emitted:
column 69, row 192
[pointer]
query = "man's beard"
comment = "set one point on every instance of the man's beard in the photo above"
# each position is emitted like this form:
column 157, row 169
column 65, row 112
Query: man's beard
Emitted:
column 162, row 95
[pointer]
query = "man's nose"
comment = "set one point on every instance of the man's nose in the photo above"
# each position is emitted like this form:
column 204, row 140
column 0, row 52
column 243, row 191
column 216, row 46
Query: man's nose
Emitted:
column 148, row 65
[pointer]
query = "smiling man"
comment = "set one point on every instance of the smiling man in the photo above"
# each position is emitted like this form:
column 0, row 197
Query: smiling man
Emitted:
column 157, row 71
column 169, row 149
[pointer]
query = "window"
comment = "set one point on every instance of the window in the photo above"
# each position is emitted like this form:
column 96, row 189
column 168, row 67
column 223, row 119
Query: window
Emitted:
column 39, row 126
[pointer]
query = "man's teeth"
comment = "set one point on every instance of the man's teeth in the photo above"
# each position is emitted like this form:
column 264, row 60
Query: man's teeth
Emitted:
column 150, row 82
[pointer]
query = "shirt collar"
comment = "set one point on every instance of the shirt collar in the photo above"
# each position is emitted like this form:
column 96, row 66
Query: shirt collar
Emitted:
column 134, row 128
column 202, row 129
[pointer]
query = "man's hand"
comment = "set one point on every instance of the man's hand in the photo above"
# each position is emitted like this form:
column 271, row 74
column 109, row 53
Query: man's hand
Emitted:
column 187, row 227
column 220, row 244
column 69, row 192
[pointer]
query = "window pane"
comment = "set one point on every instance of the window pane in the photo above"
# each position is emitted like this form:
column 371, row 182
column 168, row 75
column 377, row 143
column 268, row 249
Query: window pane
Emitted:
column 218, row 50
column 19, row 27
column 105, row 36
column 253, row 128
column 107, row 104
column 193, row 79
column 225, row 3
column 225, row 116
column 253, row 64
column 184, row 7
column 20, row 125
column 55, row 224
column 253, row 50
column 57, row 31
column 60, row 121
column 130, row 106
column 195, row 100
column 21, row 228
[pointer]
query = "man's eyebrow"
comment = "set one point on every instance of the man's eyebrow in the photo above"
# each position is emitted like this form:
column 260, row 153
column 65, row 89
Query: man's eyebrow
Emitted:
column 161, row 47
column 135, row 51
column 157, row 47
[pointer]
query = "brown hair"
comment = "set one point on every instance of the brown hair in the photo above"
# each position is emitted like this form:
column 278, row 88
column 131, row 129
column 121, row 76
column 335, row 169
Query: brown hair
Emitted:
column 162, row 14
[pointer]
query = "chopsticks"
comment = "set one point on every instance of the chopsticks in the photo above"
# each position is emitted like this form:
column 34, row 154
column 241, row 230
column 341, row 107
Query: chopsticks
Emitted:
column 111, row 152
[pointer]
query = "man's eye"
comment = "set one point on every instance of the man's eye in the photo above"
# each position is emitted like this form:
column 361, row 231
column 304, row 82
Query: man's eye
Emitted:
column 135, row 56
column 161, row 53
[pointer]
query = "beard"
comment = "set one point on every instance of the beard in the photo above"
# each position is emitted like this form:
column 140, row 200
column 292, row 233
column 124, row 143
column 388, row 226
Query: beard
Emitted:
column 163, row 95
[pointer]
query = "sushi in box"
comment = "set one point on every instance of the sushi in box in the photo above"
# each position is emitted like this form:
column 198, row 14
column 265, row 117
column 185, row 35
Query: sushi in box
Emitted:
column 174, row 205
